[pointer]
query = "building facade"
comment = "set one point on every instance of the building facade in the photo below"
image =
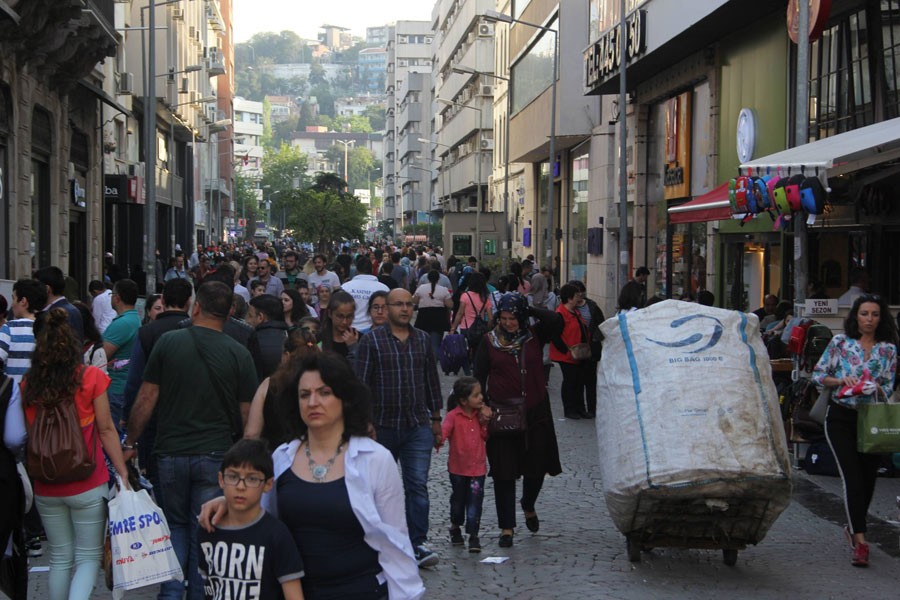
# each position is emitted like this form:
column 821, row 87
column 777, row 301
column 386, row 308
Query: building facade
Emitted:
column 408, row 52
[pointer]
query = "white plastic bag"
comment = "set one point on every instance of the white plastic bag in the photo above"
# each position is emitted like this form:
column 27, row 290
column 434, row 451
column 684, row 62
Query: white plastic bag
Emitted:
column 142, row 552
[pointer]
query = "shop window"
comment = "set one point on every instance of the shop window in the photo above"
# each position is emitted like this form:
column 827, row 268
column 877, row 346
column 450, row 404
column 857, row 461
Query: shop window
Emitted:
column 577, row 230
column 533, row 73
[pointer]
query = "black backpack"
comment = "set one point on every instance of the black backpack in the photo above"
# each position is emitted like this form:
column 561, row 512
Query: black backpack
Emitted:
column 817, row 338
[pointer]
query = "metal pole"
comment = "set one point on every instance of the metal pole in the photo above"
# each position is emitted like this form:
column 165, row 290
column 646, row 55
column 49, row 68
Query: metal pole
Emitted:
column 150, row 155
column 801, row 136
column 623, row 149
column 551, row 234
column 507, row 256
column 479, row 157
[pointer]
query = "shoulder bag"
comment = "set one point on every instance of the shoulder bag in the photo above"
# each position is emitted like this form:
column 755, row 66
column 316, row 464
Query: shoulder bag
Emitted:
column 237, row 429
column 581, row 351
column 479, row 327
column 509, row 416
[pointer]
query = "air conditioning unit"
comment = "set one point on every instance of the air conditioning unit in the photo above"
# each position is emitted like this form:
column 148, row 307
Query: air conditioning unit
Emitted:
column 215, row 65
column 487, row 144
column 126, row 84
column 402, row 62
column 178, row 14
column 486, row 90
column 486, row 29
column 194, row 97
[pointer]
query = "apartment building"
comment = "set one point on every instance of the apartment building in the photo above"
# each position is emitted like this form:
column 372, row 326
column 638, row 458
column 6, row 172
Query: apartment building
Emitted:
column 407, row 188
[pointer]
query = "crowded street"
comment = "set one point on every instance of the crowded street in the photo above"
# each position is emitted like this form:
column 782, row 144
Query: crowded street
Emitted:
column 579, row 554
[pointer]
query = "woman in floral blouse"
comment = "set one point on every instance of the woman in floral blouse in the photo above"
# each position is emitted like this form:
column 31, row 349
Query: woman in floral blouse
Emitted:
column 864, row 356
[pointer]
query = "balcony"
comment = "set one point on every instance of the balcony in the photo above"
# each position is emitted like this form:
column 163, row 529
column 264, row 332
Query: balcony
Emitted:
column 465, row 170
column 169, row 188
column 409, row 143
column 411, row 111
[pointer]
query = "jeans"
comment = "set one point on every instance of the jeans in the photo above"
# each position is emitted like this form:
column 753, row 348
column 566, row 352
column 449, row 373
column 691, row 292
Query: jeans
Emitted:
column 466, row 500
column 116, row 409
column 412, row 447
column 436, row 338
column 505, row 498
column 75, row 527
column 187, row 482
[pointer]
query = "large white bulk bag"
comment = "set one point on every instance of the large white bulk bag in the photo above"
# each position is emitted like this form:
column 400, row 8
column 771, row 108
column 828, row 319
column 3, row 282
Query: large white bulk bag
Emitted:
column 687, row 409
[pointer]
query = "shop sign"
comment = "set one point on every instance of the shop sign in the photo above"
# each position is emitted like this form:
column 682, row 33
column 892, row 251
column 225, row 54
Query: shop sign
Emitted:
column 603, row 59
column 677, row 174
column 821, row 307
column 819, row 12
column 115, row 188
column 77, row 193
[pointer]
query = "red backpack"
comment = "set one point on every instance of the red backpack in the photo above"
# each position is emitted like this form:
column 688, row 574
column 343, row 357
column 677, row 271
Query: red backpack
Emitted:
column 797, row 341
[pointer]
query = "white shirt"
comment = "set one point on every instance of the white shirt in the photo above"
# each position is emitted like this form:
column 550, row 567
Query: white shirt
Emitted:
column 329, row 278
column 101, row 307
column 242, row 292
column 361, row 288
column 848, row 297
column 441, row 293
column 376, row 497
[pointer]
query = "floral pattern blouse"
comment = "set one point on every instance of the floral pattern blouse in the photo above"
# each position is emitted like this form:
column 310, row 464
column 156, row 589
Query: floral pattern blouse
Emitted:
column 845, row 356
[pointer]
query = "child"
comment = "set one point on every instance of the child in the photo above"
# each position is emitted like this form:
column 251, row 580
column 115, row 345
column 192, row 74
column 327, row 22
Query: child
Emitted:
column 465, row 427
column 251, row 554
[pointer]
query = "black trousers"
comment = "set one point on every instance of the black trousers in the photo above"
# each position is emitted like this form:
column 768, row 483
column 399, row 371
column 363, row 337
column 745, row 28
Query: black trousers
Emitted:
column 590, row 385
column 505, row 498
column 572, row 389
column 858, row 470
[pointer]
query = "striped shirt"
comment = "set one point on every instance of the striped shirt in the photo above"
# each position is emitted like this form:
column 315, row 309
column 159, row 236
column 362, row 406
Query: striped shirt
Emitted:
column 16, row 346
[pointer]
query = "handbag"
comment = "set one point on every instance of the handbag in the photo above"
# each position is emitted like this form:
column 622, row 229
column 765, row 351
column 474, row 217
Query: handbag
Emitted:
column 581, row 351
column 237, row 428
column 141, row 551
column 878, row 426
column 510, row 415
column 818, row 410
column 57, row 452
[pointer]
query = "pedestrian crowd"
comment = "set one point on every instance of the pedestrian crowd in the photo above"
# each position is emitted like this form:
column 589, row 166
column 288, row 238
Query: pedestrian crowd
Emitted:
column 273, row 391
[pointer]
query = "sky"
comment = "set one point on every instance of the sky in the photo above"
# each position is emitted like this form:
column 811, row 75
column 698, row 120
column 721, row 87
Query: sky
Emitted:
column 304, row 17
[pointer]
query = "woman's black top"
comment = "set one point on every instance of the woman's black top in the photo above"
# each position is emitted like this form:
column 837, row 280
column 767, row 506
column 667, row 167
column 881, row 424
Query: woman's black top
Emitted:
column 339, row 564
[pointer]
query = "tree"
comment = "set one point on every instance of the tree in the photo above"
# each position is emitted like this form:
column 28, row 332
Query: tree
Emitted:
column 361, row 163
column 317, row 74
column 325, row 215
column 376, row 116
column 284, row 171
column 266, row 139
column 352, row 123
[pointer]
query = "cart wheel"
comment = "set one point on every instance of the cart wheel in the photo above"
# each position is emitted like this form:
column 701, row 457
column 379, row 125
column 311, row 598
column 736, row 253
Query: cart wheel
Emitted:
column 634, row 549
column 729, row 556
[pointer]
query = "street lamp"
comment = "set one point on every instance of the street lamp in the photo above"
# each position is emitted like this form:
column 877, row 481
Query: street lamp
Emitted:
column 463, row 71
column 493, row 15
column 346, row 145
column 478, row 167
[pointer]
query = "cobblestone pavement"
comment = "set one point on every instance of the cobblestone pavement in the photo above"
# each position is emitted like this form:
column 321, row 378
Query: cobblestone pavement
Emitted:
column 578, row 553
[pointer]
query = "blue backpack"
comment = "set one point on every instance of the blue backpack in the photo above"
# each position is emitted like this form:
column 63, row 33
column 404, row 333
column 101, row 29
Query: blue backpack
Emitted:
column 454, row 351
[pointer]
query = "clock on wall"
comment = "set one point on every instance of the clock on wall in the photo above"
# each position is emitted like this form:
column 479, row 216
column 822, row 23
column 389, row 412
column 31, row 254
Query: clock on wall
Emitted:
column 746, row 134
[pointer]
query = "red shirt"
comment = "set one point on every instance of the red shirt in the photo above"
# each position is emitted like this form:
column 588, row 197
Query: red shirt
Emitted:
column 93, row 383
column 571, row 335
column 466, row 436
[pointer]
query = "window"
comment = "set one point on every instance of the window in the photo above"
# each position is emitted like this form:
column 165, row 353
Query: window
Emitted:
column 840, row 89
column 533, row 73
column 605, row 15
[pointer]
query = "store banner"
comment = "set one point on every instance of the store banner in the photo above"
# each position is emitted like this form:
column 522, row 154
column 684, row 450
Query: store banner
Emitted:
column 115, row 188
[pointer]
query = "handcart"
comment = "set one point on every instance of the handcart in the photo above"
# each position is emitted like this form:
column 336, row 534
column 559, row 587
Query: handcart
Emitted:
column 728, row 523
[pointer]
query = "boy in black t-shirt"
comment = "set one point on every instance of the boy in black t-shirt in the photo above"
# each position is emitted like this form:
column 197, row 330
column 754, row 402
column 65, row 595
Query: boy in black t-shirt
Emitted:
column 251, row 555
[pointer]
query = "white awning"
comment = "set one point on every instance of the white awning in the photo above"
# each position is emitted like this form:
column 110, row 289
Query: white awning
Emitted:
column 838, row 154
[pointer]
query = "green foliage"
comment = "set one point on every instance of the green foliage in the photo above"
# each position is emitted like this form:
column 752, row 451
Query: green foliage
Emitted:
column 361, row 164
column 266, row 140
column 376, row 116
column 245, row 199
column 281, row 131
column 352, row 123
column 325, row 215
column 285, row 171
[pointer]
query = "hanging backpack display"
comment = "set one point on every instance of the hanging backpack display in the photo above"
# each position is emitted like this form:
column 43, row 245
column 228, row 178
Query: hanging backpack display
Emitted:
column 813, row 196
column 57, row 452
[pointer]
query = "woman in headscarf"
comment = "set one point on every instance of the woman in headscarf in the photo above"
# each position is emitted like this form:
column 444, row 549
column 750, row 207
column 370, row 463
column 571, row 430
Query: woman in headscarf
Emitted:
column 508, row 365
column 540, row 295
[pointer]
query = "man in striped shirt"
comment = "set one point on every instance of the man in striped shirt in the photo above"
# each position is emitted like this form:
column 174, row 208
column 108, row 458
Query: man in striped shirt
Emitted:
column 17, row 336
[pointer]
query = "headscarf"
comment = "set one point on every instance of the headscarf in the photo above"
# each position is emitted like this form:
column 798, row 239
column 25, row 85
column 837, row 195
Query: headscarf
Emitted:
column 539, row 293
column 502, row 340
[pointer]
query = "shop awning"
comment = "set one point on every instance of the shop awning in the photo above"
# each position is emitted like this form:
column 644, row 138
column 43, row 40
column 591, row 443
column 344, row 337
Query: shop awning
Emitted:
column 711, row 206
column 838, row 154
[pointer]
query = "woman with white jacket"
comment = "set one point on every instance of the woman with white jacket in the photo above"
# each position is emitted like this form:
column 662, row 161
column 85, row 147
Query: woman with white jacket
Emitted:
column 338, row 491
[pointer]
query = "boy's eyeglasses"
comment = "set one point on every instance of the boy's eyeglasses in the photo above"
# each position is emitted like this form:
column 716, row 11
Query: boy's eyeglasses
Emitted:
column 251, row 481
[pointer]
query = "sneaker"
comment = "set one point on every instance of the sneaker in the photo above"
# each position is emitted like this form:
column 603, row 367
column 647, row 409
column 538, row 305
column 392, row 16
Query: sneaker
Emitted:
column 474, row 544
column 425, row 557
column 506, row 540
column 456, row 537
column 860, row 555
column 33, row 547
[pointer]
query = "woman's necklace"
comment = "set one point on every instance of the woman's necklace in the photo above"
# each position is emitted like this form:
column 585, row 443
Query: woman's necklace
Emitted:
column 319, row 472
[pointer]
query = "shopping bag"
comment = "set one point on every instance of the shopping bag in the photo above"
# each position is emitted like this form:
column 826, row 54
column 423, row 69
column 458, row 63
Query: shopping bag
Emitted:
column 142, row 552
column 878, row 428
